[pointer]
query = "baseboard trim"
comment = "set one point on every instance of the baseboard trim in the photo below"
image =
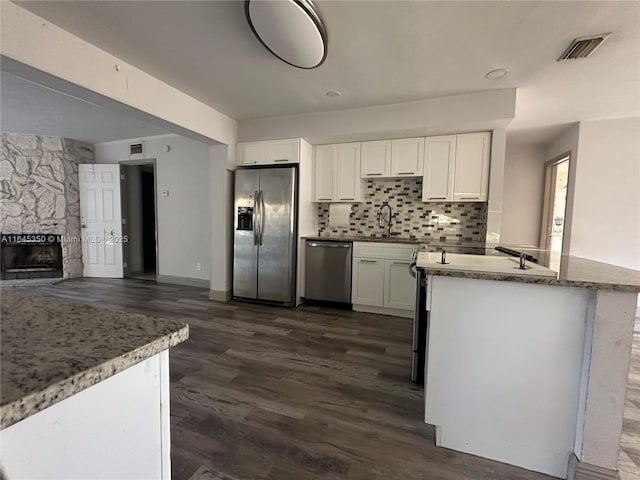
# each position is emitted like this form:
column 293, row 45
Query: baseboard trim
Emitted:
column 396, row 312
column 220, row 295
column 186, row 281
column 585, row 471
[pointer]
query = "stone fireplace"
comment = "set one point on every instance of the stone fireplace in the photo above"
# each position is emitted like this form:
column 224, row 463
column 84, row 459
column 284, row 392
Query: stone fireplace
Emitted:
column 39, row 196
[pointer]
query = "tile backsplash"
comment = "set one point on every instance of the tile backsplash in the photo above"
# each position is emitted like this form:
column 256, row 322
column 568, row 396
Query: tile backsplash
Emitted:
column 439, row 221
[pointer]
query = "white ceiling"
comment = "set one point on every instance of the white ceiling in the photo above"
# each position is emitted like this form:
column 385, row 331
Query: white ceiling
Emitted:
column 26, row 107
column 380, row 52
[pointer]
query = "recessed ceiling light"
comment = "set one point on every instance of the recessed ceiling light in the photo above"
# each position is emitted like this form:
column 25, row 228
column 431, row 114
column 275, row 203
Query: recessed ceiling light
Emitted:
column 333, row 93
column 497, row 73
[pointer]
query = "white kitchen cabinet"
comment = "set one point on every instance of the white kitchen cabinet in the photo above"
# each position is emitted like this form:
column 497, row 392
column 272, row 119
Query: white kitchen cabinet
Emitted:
column 251, row 153
column 399, row 285
column 347, row 173
column 407, row 156
column 456, row 168
column 337, row 173
column 376, row 159
column 472, row 167
column 393, row 158
column 324, row 166
column 367, row 282
column 269, row 152
column 381, row 281
column 439, row 168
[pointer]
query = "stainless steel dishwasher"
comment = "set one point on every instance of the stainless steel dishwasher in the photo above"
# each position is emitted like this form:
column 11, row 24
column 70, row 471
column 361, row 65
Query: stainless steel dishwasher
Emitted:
column 327, row 274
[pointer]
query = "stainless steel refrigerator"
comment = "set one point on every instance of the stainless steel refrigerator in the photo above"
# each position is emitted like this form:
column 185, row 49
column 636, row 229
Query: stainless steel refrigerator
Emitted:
column 265, row 232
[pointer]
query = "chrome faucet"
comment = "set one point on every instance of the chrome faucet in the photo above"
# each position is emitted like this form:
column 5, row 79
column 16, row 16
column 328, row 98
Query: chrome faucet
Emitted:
column 523, row 259
column 388, row 219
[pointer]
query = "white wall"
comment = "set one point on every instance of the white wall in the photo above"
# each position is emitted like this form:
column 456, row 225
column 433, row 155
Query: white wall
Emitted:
column 567, row 142
column 184, row 217
column 603, row 199
column 606, row 210
column 221, row 183
column 523, row 193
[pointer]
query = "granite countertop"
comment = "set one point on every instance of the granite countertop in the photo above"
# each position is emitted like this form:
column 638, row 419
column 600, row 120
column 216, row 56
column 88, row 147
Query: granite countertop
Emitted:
column 52, row 349
column 573, row 272
column 396, row 239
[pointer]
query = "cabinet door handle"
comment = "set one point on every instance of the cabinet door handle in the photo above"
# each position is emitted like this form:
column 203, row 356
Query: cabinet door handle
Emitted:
column 282, row 160
column 372, row 174
column 368, row 261
column 345, row 198
column 405, row 173
column 437, row 198
column 324, row 200
column 469, row 198
column 247, row 163
column 401, row 263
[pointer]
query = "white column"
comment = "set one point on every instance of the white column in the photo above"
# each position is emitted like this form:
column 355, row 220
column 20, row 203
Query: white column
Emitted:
column 496, row 181
column 604, row 386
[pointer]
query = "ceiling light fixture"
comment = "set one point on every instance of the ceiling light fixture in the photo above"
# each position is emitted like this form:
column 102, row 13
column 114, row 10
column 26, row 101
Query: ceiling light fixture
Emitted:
column 290, row 29
column 333, row 93
column 497, row 73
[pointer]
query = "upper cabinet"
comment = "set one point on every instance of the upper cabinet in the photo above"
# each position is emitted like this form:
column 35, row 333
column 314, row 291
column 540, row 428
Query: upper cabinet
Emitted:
column 269, row 152
column 457, row 168
column 439, row 168
column 392, row 158
column 376, row 159
column 454, row 168
column 347, row 176
column 336, row 170
column 471, row 180
column 407, row 156
column 324, row 167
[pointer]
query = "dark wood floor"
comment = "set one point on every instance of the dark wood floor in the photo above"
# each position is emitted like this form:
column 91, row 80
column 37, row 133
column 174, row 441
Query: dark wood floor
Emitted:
column 306, row 394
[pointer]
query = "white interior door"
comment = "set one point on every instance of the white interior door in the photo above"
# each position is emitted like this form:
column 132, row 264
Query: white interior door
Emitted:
column 101, row 220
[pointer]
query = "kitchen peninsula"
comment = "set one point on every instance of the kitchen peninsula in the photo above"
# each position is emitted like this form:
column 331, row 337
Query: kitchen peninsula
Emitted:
column 529, row 367
column 85, row 391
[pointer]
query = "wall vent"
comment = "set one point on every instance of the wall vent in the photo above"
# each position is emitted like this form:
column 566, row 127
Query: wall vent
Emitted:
column 583, row 47
column 136, row 151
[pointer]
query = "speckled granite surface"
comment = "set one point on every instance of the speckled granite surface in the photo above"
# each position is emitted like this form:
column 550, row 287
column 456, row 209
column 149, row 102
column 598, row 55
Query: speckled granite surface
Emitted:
column 398, row 239
column 52, row 349
column 354, row 238
column 574, row 272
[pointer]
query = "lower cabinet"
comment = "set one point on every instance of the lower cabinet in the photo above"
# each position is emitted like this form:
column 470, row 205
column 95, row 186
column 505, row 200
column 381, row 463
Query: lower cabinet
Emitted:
column 399, row 285
column 381, row 281
column 368, row 282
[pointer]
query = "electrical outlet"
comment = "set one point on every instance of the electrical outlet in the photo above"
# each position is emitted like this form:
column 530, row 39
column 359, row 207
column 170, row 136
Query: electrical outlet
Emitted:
column 198, row 266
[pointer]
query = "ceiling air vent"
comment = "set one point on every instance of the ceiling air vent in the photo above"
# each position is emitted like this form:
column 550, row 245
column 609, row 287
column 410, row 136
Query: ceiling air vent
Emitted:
column 583, row 47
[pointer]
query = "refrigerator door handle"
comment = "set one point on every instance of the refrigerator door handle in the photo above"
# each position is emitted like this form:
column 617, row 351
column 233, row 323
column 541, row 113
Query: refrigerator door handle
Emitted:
column 255, row 217
column 262, row 219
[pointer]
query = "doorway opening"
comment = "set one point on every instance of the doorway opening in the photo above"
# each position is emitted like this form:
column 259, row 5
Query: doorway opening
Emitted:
column 554, row 210
column 140, row 225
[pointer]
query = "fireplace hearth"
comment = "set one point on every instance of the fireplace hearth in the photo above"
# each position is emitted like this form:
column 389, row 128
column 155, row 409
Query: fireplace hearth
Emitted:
column 25, row 256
